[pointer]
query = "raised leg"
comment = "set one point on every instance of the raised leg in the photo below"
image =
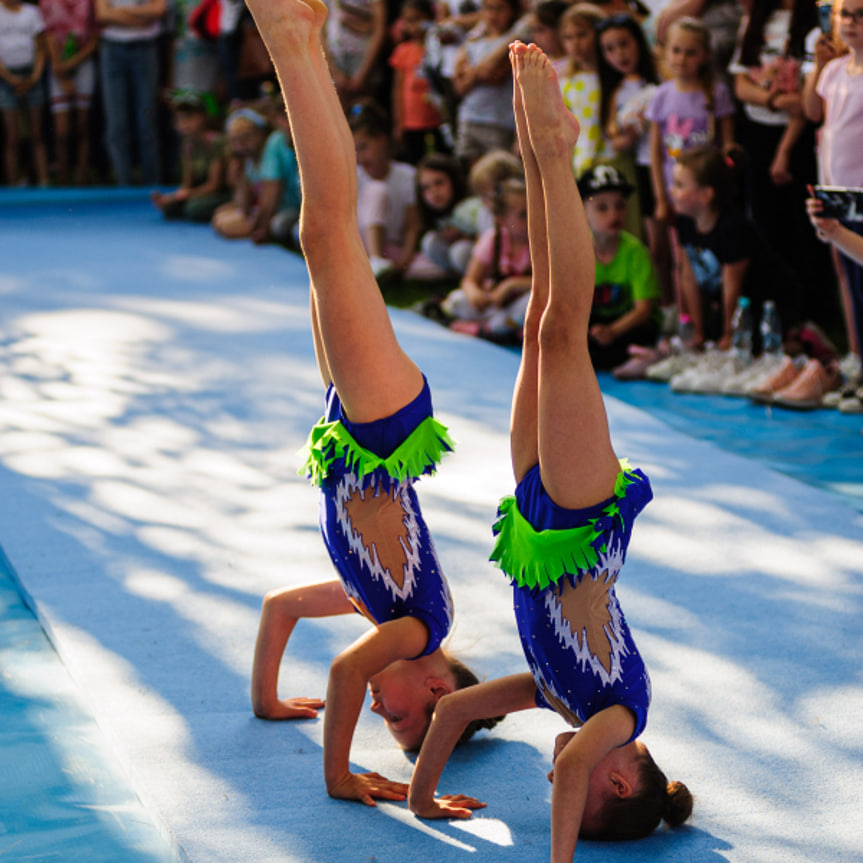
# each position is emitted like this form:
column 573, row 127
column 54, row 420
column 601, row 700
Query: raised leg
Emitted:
column 373, row 375
column 524, row 421
column 577, row 463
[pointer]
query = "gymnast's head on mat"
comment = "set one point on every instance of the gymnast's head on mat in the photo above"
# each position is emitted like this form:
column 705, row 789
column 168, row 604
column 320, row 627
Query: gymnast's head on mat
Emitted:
column 628, row 794
column 404, row 696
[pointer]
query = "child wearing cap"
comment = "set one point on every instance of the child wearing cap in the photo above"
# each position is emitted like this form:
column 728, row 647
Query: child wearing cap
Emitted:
column 202, row 164
column 266, row 202
column 626, row 291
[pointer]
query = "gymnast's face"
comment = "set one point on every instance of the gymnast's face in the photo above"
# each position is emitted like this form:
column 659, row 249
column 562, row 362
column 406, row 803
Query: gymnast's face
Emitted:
column 404, row 697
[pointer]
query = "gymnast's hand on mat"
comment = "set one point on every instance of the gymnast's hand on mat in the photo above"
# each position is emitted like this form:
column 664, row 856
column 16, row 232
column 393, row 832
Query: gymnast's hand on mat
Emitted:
column 450, row 806
column 294, row 708
column 365, row 787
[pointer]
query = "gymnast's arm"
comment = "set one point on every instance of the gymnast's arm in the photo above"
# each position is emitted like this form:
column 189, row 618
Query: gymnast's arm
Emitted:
column 279, row 615
column 452, row 715
column 602, row 733
column 402, row 638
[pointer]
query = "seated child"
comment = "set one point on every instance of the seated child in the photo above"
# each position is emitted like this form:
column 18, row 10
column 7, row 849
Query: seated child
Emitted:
column 494, row 291
column 266, row 200
column 202, row 164
column 389, row 218
column 625, row 297
column 724, row 254
column 448, row 217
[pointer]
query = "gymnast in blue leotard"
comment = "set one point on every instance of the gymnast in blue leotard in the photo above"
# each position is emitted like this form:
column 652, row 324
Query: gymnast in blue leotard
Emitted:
column 562, row 538
column 378, row 436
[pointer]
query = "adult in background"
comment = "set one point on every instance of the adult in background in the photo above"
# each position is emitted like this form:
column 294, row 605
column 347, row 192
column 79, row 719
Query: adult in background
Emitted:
column 778, row 139
column 71, row 41
column 129, row 68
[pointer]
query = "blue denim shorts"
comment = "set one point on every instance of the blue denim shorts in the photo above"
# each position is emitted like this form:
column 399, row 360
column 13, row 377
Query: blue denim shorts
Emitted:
column 11, row 101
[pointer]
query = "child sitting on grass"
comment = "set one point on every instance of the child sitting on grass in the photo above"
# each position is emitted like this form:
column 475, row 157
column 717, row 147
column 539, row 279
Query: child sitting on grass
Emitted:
column 202, row 164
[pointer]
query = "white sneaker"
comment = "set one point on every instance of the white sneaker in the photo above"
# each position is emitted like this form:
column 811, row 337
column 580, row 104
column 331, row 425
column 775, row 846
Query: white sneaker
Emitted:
column 743, row 382
column 850, row 367
column 665, row 369
column 708, row 374
column 380, row 265
column 852, row 404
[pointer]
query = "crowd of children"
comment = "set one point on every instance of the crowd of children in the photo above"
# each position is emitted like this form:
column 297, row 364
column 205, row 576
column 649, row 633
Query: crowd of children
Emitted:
column 694, row 157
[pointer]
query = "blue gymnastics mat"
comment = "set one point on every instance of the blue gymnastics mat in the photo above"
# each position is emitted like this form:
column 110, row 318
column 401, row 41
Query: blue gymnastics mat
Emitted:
column 155, row 385
column 822, row 448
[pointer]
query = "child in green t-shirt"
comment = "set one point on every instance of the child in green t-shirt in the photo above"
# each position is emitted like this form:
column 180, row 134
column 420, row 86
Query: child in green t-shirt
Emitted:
column 627, row 291
column 203, row 168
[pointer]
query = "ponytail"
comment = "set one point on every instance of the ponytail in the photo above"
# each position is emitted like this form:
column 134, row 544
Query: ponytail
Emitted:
column 678, row 804
column 639, row 815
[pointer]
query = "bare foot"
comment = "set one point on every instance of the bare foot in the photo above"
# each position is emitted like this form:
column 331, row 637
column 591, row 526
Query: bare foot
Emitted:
column 552, row 127
column 518, row 102
column 276, row 18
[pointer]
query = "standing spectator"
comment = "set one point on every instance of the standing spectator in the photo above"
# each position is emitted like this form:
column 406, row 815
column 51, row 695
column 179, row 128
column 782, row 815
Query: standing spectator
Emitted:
column 194, row 60
column 834, row 94
column 129, row 68
column 778, row 139
column 628, row 76
column 71, row 40
column 626, row 67
column 722, row 19
column 230, row 38
column 544, row 32
column 580, row 83
column 356, row 32
column 22, row 62
column 485, row 118
column 416, row 119
column 692, row 109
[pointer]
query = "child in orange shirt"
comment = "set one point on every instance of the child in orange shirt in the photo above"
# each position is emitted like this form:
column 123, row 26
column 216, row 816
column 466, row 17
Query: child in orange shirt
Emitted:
column 416, row 118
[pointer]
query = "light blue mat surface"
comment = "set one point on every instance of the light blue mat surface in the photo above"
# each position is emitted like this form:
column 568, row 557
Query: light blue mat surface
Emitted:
column 155, row 384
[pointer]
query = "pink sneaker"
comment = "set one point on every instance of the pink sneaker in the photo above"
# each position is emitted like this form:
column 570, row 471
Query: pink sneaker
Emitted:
column 467, row 328
column 783, row 377
column 808, row 388
column 635, row 368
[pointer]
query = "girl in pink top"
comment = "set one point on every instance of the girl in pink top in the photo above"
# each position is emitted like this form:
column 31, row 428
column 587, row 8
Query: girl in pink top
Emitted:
column 72, row 39
column 492, row 298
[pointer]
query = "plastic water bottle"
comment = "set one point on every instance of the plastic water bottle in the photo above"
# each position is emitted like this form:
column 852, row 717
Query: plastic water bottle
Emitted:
column 771, row 330
column 70, row 46
column 685, row 332
column 741, row 333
